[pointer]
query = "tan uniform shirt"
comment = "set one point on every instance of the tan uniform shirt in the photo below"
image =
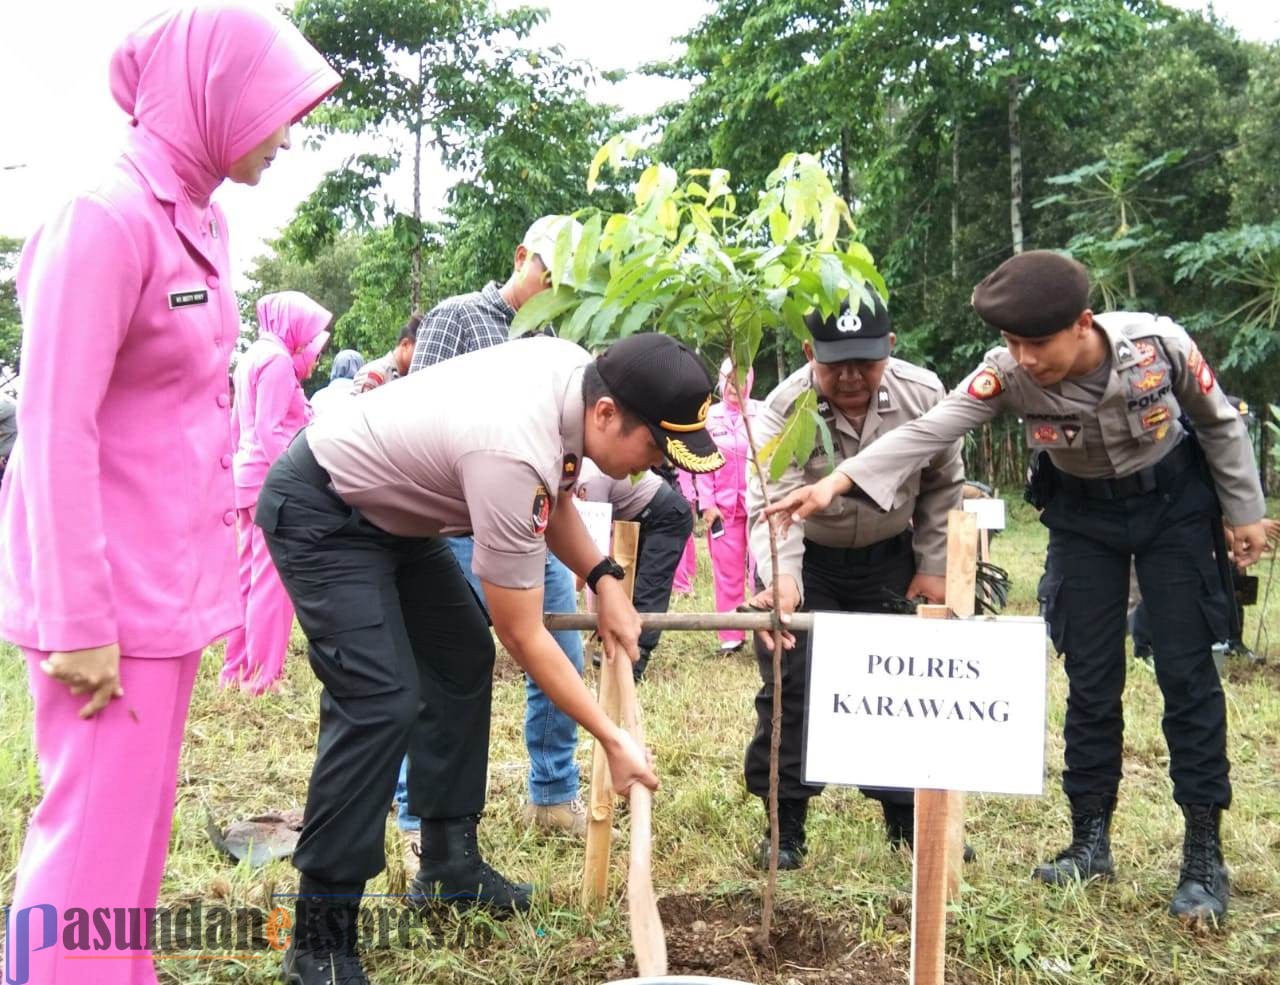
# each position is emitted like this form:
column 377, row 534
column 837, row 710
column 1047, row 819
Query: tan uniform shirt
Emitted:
column 1156, row 373
column 627, row 498
column 483, row 443
column 373, row 374
column 931, row 489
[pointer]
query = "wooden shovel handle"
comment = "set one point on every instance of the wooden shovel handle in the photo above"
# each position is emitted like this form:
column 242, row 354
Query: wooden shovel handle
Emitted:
column 647, row 937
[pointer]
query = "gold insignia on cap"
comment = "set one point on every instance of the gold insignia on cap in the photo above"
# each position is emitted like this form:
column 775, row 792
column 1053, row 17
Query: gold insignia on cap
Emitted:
column 698, row 426
column 683, row 456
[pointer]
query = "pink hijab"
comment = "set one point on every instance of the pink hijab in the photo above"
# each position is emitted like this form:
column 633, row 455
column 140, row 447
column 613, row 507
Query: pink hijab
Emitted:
column 208, row 83
column 299, row 323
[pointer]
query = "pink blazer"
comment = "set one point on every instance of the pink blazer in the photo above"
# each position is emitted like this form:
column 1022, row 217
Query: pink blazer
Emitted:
column 726, row 488
column 117, row 510
column 270, row 407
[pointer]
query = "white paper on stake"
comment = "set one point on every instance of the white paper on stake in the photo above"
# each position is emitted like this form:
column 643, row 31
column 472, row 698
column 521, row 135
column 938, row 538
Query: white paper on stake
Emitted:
column 990, row 512
column 949, row 704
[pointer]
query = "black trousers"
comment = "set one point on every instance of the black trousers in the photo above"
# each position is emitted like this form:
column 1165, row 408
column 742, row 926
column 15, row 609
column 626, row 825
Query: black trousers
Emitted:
column 665, row 525
column 390, row 620
column 834, row 581
column 1169, row 534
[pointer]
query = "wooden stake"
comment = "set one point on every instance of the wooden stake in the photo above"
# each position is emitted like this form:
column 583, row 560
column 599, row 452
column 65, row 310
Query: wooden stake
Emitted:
column 595, row 871
column 939, row 823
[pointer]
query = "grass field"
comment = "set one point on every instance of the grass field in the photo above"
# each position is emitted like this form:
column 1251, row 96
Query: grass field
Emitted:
column 844, row 916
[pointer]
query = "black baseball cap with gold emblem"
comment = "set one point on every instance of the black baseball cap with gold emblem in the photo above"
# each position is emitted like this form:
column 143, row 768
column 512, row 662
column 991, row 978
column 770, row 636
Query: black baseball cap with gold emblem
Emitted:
column 863, row 335
column 667, row 385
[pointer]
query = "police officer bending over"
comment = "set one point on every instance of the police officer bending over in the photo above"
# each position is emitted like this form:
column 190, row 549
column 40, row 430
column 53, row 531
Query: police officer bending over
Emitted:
column 1102, row 395
column 849, row 557
column 353, row 514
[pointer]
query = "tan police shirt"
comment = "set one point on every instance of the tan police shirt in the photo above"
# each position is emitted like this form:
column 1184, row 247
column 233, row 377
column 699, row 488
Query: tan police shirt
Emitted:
column 376, row 372
column 482, row 443
column 627, row 498
column 929, row 492
column 1156, row 373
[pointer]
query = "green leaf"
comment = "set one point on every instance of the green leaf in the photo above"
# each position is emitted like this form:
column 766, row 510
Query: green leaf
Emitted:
column 576, row 327
column 635, row 319
column 564, row 249
column 647, row 185
column 543, row 308
column 588, row 247
column 778, row 226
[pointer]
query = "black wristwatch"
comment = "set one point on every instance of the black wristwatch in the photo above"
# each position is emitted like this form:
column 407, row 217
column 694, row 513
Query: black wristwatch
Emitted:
column 608, row 567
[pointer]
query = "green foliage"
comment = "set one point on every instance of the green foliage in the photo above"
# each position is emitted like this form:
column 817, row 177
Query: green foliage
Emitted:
column 10, row 317
column 684, row 260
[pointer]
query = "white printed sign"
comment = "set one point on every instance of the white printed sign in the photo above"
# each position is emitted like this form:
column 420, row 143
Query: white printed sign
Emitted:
column 990, row 512
column 949, row 704
column 598, row 518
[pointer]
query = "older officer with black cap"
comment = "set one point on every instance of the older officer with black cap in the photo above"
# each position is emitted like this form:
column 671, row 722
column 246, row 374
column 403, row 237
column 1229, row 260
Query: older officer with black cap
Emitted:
column 353, row 514
column 849, row 557
column 1102, row 395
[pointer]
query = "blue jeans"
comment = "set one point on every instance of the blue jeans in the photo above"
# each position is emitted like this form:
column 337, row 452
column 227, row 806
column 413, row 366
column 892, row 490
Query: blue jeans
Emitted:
column 550, row 735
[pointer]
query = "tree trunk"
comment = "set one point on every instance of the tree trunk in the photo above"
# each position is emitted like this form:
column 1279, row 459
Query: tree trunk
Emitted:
column 415, row 283
column 1015, row 166
column 955, row 202
column 845, row 192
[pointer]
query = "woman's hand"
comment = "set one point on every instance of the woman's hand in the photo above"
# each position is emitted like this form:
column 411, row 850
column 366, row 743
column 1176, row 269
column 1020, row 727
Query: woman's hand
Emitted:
column 629, row 764
column 95, row 670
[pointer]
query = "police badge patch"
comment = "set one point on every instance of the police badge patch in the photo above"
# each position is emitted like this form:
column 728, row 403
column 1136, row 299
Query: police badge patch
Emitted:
column 541, row 512
column 1199, row 367
column 986, row 384
column 1045, row 434
column 1146, row 353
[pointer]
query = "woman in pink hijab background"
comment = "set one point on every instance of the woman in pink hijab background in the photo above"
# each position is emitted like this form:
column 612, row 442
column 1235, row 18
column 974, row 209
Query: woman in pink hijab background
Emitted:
column 117, row 512
column 722, row 495
column 270, row 408
column 687, row 569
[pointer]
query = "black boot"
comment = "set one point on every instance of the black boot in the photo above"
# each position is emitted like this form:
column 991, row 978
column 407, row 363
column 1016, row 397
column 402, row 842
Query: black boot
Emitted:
column 1203, row 884
column 637, row 668
column 900, row 828
column 323, row 950
column 452, row 871
column 1089, row 854
column 791, row 850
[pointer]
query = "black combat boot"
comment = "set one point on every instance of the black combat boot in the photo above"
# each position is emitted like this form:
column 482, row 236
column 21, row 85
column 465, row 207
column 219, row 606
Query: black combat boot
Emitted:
column 791, row 850
column 1203, row 884
column 900, row 828
column 1089, row 854
column 637, row 668
column 453, row 873
column 324, row 947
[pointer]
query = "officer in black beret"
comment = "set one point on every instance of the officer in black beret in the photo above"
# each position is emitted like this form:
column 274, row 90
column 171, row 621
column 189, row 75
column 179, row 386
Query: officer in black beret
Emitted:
column 1101, row 396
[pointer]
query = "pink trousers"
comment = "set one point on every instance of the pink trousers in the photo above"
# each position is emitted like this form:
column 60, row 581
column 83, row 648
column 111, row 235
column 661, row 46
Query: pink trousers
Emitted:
column 687, row 569
column 256, row 652
column 729, row 564
column 100, row 835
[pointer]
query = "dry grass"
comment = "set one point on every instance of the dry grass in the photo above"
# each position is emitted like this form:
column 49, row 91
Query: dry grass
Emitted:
column 244, row 756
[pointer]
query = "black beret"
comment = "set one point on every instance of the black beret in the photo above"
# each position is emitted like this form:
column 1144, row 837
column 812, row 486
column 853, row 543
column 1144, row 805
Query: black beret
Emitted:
column 1033, row 294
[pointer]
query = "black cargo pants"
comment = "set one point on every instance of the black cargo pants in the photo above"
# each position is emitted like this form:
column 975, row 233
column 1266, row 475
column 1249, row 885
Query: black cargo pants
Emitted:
column 665, row 525
column 1168, row 532
column 389, row 620
column 835, row 580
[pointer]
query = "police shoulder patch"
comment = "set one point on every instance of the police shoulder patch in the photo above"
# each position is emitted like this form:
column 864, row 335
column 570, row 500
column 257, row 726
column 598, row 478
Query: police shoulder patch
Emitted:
column 541, row 512
column 985, row 384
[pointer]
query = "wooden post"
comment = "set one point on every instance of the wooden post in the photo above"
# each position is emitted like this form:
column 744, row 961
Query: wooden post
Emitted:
column 595, row 872
column 939, row 838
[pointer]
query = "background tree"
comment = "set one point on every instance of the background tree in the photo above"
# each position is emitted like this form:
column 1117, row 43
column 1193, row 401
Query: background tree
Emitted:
column 10, row 318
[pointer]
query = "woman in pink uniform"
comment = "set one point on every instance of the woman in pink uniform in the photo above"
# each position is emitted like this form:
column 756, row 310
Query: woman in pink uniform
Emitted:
column 687, row 569
column 117, row 513
column 270, row 408
column 722, row 498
